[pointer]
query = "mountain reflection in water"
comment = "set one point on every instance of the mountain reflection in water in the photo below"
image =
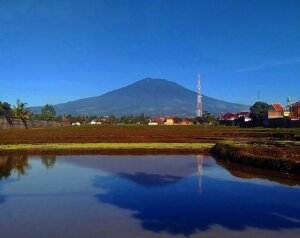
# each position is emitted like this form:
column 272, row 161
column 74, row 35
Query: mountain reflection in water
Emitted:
column 174, row 195
column 147, row 172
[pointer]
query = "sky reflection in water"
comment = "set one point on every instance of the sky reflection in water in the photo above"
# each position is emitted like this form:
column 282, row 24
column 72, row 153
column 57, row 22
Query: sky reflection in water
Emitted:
column 92, row 196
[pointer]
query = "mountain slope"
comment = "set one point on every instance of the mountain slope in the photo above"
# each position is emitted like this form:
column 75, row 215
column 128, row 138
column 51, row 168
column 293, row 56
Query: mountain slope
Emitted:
column 152, row 97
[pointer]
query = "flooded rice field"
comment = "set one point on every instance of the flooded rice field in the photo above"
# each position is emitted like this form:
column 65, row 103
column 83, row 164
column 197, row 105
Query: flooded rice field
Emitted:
column 144, row 196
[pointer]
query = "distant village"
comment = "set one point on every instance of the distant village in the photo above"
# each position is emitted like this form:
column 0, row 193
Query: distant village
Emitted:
column 154, row 121
column 260, row 114
column 275, row 116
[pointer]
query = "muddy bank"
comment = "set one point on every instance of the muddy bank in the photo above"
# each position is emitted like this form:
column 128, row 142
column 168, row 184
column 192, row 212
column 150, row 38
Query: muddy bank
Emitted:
column 134, row 151
column 260, row 156
column 251, row 172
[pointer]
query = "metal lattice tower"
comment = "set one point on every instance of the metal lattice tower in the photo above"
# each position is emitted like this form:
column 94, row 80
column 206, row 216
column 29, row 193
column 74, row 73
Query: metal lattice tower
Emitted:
column 289, row 100
column 199, row 99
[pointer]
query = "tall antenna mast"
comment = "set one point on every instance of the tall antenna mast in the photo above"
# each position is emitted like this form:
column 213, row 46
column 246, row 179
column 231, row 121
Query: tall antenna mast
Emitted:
column 289, row 100
column 199, row 99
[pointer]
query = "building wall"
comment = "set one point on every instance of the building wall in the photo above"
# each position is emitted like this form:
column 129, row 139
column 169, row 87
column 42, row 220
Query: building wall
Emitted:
column 170, row 122
column 274, row 114
column 14, row 123
column 152, row 123
column 298, row 111
column 282, row 122
column 4, row 124
column 287, row 113
column 19, row 124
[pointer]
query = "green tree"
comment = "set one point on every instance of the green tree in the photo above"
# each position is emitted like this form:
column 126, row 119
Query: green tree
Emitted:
column 258, row 112
column 35, row 117
column 48, row 160
column 142, row 119
column 112, row 119
column 5, row 110
column 48, row 112
column 83, row 119
column 20, row 111
column 177, row 119
column 209, row 118
column 18, row 164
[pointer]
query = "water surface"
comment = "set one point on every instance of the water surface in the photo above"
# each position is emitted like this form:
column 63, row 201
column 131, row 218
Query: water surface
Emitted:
column 144, row 196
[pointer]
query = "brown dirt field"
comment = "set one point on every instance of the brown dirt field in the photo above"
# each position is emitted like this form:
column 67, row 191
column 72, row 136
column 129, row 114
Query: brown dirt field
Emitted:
column 289, row 152
column 284, row 158
column 139, row 133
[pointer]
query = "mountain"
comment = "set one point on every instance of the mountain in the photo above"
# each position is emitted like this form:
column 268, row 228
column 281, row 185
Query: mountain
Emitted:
column 153, row 97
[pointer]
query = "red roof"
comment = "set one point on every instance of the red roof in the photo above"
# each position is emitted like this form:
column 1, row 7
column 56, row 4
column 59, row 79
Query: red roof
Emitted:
column 296, row 104
column 277, row 106
column 243, row 114
column 228, row 116
column 157, row 120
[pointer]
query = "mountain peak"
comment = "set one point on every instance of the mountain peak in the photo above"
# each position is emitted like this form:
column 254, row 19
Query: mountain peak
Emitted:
column 153, row 80
column 153, row 97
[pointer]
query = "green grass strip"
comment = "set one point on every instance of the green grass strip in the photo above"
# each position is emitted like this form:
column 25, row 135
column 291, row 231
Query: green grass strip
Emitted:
column 66, row 146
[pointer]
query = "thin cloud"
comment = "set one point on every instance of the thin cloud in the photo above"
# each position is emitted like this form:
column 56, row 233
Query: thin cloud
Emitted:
column 254, row 68
column 273, row 64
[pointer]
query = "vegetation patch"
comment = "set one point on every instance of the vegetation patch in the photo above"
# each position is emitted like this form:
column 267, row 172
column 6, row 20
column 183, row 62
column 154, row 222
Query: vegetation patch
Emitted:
column 105, row 148
column 276, row 158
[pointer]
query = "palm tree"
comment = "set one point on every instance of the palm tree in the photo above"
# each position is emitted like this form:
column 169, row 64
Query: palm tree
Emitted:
column 13, row 163
column 20, row 111
column 5, row 110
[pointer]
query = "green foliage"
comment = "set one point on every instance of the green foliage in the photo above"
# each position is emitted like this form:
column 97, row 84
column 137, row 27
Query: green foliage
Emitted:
column 209, row 118
column 5, row 110
column 128, row 119
column 20, row 111
column 141, row 119
column 240, row 154
column 36, row 117
column 83, row 119
column 17, row 164
column 66, row 146
column 48, row 113
column 112, row 119
column 48, row 160
column 177, row 119
column 258, row 111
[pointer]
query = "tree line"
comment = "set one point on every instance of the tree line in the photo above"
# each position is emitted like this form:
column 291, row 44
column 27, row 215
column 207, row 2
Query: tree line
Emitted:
column 21, row 111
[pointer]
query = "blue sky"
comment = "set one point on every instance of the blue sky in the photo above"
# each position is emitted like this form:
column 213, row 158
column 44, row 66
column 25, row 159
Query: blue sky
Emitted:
column 61, row 50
